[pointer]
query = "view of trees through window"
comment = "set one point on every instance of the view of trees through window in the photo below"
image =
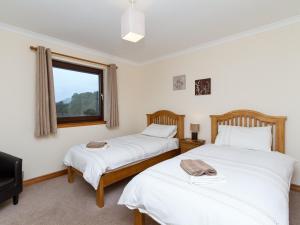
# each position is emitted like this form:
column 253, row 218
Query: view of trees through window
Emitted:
column 76, row 93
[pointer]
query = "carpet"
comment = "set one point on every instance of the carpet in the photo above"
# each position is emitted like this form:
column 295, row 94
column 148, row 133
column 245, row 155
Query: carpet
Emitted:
column 55, row 202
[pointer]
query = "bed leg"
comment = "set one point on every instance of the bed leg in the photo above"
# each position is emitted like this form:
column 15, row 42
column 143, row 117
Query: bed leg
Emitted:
column 70, row 174
column 100, row 194
column 139, row 218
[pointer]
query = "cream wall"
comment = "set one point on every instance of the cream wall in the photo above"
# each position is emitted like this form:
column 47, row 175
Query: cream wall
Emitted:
column 17, row 97
column 261, row 72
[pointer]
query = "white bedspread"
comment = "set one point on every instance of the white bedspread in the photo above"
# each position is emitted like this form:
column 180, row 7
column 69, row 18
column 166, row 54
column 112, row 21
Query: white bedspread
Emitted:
column 121, row 151
column 256, row 191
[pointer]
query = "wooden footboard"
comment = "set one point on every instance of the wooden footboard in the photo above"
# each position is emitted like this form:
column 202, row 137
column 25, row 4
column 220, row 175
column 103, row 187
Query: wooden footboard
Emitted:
column 122, row 173
column 99, row 191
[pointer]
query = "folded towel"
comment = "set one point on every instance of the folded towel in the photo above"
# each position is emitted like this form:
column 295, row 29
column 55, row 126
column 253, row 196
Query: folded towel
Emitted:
column 206, row 180
column 96, row 144
column 197, row 167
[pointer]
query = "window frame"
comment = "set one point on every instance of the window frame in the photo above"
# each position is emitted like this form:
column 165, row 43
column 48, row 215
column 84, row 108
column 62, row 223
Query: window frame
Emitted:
column 86, row 120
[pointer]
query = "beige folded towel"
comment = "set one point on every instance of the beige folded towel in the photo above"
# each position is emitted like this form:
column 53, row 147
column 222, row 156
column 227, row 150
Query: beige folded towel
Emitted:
column 96, row 144
column 197, row 167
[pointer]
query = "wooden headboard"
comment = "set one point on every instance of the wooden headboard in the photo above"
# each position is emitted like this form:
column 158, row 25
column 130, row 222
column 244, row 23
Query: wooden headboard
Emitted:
column 249, row 118
column 166, row 117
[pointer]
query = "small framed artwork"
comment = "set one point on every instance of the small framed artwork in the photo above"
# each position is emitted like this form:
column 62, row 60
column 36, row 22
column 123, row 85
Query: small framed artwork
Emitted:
column 203, row 86
column 179, row 83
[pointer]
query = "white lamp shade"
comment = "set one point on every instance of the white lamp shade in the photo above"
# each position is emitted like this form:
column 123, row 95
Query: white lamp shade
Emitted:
column 133, row 25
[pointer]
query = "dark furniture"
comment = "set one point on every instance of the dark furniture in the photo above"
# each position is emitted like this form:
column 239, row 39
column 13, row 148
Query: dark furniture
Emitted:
column 11, row 179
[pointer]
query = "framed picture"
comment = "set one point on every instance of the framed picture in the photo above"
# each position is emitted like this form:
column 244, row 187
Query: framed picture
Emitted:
column 179, row 83
column 203, row 86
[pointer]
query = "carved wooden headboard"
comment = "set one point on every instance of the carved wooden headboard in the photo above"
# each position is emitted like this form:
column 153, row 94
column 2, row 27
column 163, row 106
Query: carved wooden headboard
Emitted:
column 249, row 118
column 168, row 118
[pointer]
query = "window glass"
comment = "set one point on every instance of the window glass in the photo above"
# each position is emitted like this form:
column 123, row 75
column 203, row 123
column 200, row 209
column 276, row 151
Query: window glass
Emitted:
column 78, row 94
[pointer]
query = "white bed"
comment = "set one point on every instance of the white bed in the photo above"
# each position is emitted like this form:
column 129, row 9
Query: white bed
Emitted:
column 121, row 151
column 255, row 191
column 127, row 156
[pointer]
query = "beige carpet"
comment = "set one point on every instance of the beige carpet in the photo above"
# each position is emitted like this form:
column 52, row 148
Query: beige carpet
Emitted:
column 55, row 202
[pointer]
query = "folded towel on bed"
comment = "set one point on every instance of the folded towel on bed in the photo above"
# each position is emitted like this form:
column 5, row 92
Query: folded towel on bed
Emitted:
column 96, row 145
column 197, row 167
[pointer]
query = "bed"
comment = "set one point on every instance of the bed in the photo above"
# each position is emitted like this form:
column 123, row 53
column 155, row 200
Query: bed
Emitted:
column 126, row 156
column 255, row 190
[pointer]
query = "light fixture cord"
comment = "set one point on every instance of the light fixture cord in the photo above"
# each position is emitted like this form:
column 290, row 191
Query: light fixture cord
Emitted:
column 132, row 3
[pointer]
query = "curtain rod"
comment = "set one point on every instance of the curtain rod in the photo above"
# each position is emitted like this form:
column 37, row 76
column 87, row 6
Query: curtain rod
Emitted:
column 73, row 57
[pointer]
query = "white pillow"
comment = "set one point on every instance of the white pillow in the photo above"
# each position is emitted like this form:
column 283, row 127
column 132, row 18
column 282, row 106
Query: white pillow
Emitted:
column 173, row 134
column 158, row 130
column 256, row 138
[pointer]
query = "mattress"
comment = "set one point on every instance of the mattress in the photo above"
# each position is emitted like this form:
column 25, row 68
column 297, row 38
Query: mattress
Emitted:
column 255, row 191
column 121, row 151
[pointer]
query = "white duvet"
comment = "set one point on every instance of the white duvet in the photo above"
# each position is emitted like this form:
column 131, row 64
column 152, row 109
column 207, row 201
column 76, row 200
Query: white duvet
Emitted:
column 256, row 191
column 121, row 151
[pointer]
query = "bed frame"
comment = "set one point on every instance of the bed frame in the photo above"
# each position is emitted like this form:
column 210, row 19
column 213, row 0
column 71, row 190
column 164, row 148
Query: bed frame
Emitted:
column 161, row 117
column 243, row 118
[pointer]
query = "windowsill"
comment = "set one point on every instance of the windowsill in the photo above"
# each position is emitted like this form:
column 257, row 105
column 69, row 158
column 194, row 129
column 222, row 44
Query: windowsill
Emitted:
column 80, row 124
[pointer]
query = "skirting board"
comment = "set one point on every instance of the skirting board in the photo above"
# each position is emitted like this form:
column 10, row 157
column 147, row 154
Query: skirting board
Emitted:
column 49, row 176
column 44, row 177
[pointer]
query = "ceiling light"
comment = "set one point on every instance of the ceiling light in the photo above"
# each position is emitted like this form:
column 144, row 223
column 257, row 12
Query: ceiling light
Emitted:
column 133, row 24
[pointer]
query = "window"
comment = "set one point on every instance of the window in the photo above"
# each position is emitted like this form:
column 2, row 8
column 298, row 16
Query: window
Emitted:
column 78, row 93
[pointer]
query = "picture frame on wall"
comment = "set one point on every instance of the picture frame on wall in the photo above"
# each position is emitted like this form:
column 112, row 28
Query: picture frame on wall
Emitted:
column 179, row 82
column 203, row 86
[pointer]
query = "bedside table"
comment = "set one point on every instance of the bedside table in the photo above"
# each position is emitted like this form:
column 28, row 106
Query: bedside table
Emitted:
column 188, row 144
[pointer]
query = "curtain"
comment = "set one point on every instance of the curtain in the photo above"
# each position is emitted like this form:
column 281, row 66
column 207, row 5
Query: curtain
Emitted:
column 45, row 121
column 111, row 102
